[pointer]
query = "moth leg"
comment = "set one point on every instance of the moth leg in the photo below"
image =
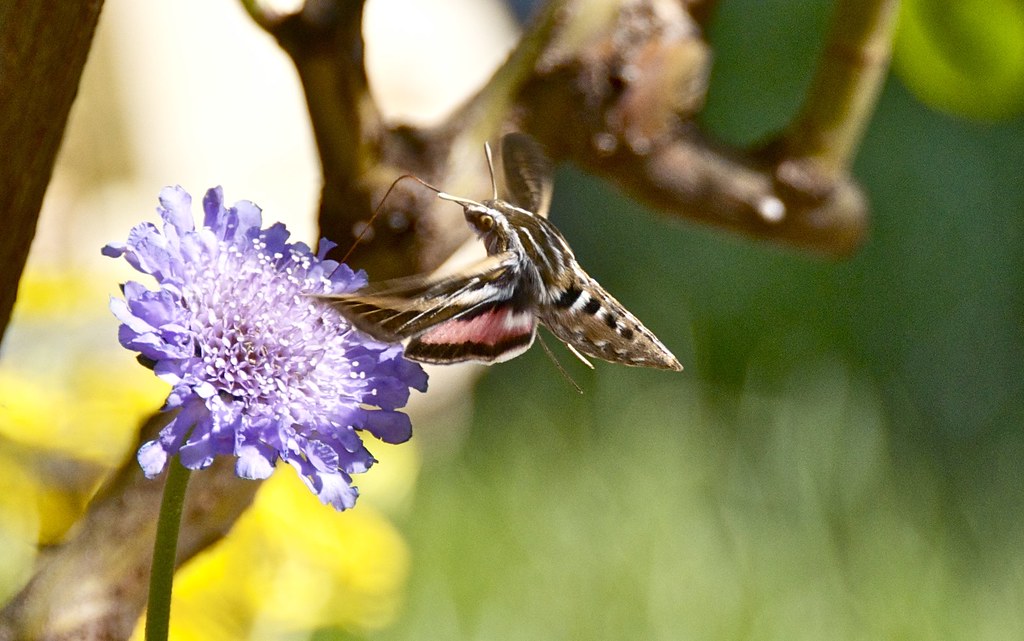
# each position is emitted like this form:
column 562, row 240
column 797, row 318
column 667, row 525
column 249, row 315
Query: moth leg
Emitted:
column 580, row 356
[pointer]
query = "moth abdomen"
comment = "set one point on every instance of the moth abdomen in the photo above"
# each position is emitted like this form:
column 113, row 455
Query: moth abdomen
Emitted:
column 568, row 297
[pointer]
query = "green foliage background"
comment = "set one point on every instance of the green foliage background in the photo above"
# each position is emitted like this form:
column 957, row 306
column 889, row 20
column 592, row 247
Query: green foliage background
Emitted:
column 842, row 457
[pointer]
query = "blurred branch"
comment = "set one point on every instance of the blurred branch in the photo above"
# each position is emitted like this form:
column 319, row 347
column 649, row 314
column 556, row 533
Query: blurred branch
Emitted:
column 43, row 47
column 484, row 113
column 632, row 89
column 94, row 586
column 701, row 10
column 845, row 87
column 325, row 42
column 692, row 178
column 611, row 85
column 327, row 38
column 362, row 156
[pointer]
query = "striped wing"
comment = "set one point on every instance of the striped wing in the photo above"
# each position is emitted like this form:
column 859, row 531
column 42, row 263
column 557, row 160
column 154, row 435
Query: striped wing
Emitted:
column 529, row 174
column 471, row 315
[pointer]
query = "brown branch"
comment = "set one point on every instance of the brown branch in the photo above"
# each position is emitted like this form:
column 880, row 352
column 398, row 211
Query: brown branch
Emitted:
column 327, row 38
column 611, row 86
column 692, row 178
column 632, row 88
column 43, row 47
column 842, row 95
column 359, row 156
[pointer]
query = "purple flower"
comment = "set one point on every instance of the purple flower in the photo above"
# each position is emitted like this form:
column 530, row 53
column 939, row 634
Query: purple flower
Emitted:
column 258, row 369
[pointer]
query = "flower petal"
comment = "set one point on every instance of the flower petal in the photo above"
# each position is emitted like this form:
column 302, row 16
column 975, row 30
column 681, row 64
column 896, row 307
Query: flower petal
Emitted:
column 255, row 461
column 176, row 208
column 388, row 426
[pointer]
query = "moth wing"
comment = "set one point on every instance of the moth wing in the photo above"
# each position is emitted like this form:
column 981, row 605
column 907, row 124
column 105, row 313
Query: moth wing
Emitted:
column 492, row 335
column 394, row 310
column 585, row 316
column 529, row 174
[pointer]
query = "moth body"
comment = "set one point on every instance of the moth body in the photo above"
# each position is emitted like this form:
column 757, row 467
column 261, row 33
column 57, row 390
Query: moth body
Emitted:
column 490, row 311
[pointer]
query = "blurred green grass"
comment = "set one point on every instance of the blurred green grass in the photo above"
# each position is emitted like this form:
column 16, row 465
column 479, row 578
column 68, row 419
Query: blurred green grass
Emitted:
column 842, row 457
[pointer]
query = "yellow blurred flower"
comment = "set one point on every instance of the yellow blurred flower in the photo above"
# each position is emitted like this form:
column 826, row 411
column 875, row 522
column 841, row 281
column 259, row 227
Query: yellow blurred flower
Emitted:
column 70, row 401
column 66, row 388
column 291, row 565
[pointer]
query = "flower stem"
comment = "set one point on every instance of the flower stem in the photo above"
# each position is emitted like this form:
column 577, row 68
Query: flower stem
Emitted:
column 161, row 577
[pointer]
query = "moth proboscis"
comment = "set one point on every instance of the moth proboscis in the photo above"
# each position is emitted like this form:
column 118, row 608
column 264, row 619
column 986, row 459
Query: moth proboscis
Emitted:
column 489, row 312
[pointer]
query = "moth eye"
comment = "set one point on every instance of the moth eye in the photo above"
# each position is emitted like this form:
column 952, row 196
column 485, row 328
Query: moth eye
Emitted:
column 485, row 222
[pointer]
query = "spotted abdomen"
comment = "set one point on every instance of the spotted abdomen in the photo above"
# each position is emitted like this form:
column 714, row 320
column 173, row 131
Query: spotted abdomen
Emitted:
column 587, row 317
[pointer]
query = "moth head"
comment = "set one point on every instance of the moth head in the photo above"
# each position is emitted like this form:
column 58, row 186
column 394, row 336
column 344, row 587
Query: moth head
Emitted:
column 490, row 226
column 481, row 218
column 489, row 223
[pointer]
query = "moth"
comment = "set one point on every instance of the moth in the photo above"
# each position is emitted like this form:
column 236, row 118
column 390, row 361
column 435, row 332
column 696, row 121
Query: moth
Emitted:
column 489, row 312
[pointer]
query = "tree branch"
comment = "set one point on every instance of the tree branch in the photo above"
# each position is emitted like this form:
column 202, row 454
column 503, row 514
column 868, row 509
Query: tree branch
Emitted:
column 611, row 86
column 43, row 47
column 632, row 88
column 359, row 156
column 842, row 95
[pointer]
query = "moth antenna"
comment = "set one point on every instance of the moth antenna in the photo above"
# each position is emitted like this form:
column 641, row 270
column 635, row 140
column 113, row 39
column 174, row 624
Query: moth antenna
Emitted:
column 490, row 168
column 551, row 355
column 380, row 205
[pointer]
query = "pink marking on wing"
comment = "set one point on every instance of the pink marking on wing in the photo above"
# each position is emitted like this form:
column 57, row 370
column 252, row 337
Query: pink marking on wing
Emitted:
column 489, row 328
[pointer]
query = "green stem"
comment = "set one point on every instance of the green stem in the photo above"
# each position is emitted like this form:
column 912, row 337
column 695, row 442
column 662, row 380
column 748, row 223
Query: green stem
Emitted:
column 481, row 116
column 161, row 577
column 845, row 87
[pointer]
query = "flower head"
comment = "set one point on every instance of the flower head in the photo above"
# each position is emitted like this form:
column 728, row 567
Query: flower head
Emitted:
column 259, row 369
